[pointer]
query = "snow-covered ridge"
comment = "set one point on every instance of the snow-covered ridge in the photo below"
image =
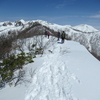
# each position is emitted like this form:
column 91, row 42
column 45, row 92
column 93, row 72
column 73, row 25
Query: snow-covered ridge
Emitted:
column 84, row 34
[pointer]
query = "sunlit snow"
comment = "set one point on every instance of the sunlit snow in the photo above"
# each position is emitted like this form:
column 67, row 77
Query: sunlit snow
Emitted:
column 69, row 72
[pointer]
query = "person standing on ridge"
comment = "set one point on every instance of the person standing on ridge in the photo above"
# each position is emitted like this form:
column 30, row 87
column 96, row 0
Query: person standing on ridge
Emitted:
column 63, row 37
column 58, row 35
column 48, row 34
column 45, row 33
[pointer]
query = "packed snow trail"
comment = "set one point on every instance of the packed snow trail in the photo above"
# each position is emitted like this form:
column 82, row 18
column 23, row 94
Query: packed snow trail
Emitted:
column 64, row 76
column 52, row 82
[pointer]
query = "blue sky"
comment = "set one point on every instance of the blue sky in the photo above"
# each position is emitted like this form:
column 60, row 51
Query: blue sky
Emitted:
column 63, row 12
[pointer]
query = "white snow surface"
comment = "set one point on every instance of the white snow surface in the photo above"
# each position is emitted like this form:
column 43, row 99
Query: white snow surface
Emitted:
column 85, row 28
column 65, row 72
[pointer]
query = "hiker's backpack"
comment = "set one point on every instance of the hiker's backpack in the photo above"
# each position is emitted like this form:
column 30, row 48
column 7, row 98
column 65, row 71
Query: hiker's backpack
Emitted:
column 63, row 35
column 48, row 33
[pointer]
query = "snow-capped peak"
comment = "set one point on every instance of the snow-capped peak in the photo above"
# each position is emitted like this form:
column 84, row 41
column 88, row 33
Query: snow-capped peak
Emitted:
column 85, row 28
column 21, row 21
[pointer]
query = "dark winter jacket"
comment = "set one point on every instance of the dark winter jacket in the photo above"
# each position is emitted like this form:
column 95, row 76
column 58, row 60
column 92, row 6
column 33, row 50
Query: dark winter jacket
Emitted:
column 45, row 32
column 58, row 34
column 63, row 35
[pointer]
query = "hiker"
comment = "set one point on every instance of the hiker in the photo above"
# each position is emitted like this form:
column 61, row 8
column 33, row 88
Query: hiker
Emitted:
column 48, row 34
column 58, row 35
column 63, row 37
column 45, row 33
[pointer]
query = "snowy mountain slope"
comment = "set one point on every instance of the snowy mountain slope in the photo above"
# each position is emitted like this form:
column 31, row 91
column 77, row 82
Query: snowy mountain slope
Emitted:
column 80, row 28
column 53, row 26
column 7, row 28
column 16, row 26
column 91, row 41
column 85, row 28
column 84, row 34
column 68, row 72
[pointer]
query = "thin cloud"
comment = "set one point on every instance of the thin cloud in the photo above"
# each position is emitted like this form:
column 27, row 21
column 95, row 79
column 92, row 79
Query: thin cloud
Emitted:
column 64, row 3
column 60, row 5
column 95, row 16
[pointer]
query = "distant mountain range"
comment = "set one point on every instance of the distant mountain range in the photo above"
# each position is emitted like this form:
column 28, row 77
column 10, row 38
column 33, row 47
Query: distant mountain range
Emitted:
column 80, row 28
